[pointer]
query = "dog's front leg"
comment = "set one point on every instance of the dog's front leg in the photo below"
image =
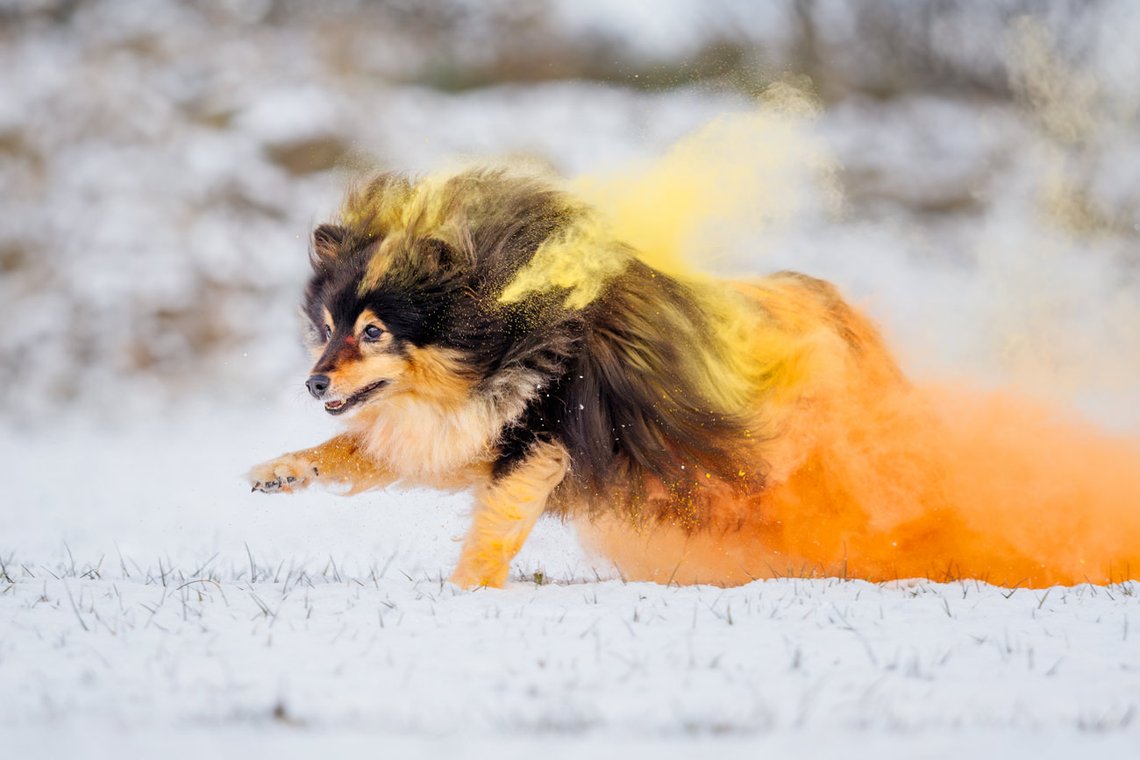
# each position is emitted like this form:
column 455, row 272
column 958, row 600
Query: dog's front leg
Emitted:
column 338, row 461
column 506, row 508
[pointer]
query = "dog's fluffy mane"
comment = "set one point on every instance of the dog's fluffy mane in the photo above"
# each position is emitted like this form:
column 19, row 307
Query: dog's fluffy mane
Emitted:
column 557, row 325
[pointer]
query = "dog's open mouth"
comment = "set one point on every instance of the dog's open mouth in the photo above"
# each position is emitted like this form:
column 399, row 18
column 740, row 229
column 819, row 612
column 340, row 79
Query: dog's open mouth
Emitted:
column 340, row 406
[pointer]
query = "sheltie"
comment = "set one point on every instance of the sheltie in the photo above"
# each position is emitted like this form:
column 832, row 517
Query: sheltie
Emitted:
column 484, row 329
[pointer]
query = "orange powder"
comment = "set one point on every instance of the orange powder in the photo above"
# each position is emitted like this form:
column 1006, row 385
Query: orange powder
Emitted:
column 869, row 476
column 931, row 482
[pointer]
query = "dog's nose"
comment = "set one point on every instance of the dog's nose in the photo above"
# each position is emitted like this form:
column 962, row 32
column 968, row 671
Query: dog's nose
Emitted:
column 317, row 385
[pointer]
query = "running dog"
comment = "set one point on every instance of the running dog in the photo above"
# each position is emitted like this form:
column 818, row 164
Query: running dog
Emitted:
column 484, row 329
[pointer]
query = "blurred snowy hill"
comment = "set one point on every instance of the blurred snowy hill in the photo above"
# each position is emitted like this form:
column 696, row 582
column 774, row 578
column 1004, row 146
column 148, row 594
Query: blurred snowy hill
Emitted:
column 161, row 164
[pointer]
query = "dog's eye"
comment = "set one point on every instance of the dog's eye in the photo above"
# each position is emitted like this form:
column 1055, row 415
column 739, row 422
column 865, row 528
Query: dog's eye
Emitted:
column 372, row 332
column 326, row 332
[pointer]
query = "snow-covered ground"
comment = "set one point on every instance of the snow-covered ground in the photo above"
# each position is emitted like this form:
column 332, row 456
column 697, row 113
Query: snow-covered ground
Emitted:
column 149, row 603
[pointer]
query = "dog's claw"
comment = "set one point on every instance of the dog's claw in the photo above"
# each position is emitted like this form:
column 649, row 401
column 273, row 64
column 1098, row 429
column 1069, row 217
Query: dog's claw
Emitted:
column 267, row 486
column 283, row 475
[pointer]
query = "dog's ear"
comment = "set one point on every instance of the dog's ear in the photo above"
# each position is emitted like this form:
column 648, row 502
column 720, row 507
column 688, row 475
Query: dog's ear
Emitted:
column 327, row 240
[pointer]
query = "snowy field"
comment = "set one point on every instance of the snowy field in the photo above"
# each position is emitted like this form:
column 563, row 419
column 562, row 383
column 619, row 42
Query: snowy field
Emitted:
column 154, row 204
column 149, row 604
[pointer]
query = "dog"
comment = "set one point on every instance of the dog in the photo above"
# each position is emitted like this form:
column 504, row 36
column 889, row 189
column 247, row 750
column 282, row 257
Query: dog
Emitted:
column 486, row 329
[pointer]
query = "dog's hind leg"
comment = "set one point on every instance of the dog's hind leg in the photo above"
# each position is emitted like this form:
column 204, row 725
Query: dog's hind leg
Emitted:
column 338, row 461
column 506, row 508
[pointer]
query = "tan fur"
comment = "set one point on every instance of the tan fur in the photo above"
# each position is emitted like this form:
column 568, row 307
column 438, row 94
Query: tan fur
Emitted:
column 430, row 424
column 339, row 461
column 505, row 512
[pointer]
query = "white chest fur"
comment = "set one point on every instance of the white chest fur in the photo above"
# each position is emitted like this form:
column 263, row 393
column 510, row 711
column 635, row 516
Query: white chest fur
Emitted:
column 421, row 440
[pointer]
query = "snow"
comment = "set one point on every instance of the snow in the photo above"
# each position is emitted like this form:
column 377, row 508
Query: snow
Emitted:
column 148, row 601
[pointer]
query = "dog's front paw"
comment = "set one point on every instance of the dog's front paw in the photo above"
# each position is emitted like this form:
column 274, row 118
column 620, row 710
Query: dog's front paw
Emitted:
column 468, row 577
column 284, row 474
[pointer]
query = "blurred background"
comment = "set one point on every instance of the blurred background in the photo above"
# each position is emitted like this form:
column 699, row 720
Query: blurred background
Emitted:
column 162, row 163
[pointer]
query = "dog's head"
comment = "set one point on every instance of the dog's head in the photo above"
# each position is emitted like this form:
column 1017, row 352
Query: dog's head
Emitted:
column 407, row 293
column 433, row 286
column 379, row 311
